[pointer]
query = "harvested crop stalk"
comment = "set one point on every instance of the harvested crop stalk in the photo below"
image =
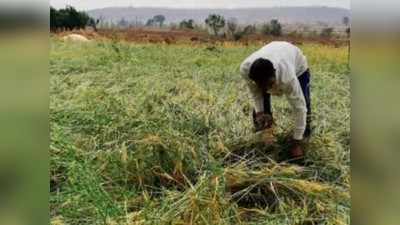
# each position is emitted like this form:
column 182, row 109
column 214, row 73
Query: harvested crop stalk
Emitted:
column 266, row 136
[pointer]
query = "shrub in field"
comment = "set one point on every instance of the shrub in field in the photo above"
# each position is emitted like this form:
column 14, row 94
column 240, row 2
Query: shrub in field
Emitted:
column 266, row 29
column 273, row 28
column 247, row 30
column 156, row 20
column 232, row 26
column 160, row 19
column 276, row 28
column 187, row 24
column 327, row 32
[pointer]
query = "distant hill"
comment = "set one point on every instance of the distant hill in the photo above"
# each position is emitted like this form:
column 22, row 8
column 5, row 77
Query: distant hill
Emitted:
column 244, row 15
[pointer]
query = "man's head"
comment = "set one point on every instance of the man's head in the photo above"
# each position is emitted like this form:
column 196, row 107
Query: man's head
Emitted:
column 262, row 72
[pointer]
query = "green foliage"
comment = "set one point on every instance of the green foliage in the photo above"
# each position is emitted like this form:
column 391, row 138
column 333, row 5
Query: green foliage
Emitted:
column 69, row 18
column 346, row 21
column 348, row 31
column 215, row 22
column 187, row 24
column 232, row 26
column 274, row 28
column 150, row 22
column 161, row 134
column 266, row 29
column 157, row 20
column 327, row 32
column 123, row 23
column 247, row 30
column 160, row 19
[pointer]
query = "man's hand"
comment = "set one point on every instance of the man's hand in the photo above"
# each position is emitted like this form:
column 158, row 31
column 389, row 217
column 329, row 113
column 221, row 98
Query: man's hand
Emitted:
column 263, row 121
column 259, row 121
column 264, row 126
column 268, row 136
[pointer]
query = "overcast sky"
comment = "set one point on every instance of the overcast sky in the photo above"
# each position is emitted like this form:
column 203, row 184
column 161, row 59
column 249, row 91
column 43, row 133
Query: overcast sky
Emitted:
column 93, row 4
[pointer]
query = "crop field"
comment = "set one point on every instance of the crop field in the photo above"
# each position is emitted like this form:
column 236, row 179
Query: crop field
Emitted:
column 162, row 134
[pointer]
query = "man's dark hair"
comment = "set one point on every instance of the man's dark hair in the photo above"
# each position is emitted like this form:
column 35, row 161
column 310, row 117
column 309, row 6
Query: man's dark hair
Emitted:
column 262, row 70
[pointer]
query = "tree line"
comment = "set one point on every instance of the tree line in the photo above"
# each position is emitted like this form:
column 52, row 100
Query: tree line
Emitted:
column 69, row 18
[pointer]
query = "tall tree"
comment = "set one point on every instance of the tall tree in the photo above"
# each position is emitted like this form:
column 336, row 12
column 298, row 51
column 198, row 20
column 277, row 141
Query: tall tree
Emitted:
column 54, row 19
column 215, row 22
column 187, row 24
column 275, row 28
column 232, row 26
column 160, row 19
column 150, row 22
column 266, row 29
column 327, row 32
column 346, row 21
column 69, row 18
column 123, row 23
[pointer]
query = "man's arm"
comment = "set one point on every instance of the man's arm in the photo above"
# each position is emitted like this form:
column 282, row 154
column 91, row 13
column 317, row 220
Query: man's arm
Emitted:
column 296, row 99
column 256, row 93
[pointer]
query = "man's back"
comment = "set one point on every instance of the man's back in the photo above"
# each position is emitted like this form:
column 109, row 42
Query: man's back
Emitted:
column 284, row 55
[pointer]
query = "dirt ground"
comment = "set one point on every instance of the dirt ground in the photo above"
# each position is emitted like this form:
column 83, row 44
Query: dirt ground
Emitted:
column 166, row 36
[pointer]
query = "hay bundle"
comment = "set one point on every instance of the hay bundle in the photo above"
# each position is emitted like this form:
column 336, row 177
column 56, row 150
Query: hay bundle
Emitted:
column 75, row 38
